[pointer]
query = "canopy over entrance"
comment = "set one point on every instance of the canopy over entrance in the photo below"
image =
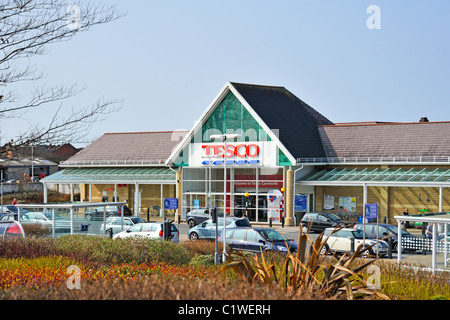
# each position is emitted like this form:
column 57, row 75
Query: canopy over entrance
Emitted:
column 113, row 175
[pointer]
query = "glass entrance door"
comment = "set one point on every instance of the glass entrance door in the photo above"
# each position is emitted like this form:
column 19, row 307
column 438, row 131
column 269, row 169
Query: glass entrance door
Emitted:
column 255, row 208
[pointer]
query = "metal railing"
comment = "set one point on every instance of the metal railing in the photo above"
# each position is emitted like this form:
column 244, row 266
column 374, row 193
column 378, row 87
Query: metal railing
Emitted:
column 373, row 160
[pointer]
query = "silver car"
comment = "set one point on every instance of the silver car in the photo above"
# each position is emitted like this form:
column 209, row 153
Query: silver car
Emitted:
column 152, row 230
column 207, row 229
column 114, row 224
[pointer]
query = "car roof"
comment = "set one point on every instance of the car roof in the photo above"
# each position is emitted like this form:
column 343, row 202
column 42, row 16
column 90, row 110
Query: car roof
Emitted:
column 344, row 229
column 380, row 224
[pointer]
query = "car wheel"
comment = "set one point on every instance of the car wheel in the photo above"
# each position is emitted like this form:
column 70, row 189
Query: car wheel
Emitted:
column 395, row 248
column 193, row 236
column 191, row 223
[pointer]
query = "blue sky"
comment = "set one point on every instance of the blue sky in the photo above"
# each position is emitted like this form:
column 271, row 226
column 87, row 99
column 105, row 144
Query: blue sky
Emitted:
column 168, row 59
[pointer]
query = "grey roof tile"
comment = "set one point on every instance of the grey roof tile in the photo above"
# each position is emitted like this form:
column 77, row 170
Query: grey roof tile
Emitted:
column 153, row 147
column 421, row 139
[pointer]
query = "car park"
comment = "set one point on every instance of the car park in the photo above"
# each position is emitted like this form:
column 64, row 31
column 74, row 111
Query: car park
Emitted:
column 207, row 229
column 151, row 230
column 114, row 224
column 386, row 231
column 197, row 216
column 340, row 240
column 319, row 221
column 257, row 240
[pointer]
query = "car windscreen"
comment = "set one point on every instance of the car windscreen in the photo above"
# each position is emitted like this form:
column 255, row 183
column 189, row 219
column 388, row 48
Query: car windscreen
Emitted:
column 358, row 234
column 272, row 235
column 137, row 220
column 242, row 223
column 333, row 217
column 394, row 230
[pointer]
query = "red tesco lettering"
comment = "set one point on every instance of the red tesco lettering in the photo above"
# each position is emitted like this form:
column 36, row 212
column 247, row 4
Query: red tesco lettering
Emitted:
column 240, row 150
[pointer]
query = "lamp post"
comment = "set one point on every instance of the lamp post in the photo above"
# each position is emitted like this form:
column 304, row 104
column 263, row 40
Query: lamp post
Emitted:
column 225, row 137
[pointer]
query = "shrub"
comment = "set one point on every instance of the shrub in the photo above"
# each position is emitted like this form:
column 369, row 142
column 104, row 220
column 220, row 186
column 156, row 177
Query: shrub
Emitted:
column 202, row 260
column 35, row 230
column 27, row 248
column 105, row 250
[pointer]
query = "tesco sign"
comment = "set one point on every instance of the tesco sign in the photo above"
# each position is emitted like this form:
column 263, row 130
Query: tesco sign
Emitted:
column 242, row 150
column 241, row 153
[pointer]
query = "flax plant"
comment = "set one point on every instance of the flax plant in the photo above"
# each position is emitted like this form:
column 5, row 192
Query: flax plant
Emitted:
column 309, row 271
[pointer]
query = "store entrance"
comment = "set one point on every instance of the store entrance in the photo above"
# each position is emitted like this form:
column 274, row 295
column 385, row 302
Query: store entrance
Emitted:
column 251, row 207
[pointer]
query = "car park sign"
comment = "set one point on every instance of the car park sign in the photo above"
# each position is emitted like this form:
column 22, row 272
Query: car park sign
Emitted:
column 371, row 211
column 170, row 203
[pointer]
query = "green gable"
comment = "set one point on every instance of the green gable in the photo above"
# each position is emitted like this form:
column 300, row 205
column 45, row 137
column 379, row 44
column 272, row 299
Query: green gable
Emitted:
column 231, row 116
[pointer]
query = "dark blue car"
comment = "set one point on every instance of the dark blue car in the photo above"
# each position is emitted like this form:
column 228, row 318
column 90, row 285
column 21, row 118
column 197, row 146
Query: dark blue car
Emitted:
column 257, row 239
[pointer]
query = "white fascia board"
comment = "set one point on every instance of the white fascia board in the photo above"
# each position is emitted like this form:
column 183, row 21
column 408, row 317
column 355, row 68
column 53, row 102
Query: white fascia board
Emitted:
column 263, row 125
column 197, row 126
column 375, row 184
column 109, row 182
column 434, row 219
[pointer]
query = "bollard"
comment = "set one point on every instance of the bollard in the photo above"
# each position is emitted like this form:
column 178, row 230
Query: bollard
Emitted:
column 148, row 214
column 282, row 222
column 390, row 244
column 352, row 244
column 270, row 222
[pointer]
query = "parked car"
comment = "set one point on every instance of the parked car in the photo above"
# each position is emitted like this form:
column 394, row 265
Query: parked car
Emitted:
column 197, row 216
column 386, row 231
column 61, row 224
column 341, row 241
column 11, row 229
column 97, row 213
column 319, row 221
column 207, row 229
column 114, row 224
column 257, row 239
column 28, row 218
column 152, row 230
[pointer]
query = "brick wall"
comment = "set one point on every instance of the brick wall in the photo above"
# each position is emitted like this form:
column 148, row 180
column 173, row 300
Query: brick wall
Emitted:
column 150, row 194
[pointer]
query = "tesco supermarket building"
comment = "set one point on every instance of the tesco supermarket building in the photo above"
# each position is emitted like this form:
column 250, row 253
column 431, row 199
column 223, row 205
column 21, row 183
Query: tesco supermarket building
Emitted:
column 277, row 147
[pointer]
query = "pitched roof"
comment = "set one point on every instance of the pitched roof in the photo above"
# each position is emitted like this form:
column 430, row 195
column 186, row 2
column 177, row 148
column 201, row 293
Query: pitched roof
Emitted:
column 417, row 139
column 128, row 148
column 296, row 121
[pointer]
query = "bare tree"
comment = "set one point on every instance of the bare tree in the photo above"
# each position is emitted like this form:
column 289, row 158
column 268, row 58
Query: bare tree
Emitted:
column 27, row 29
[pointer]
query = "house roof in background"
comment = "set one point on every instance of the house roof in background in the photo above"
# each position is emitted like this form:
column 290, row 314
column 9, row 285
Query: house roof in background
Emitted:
column 416, row 139
column 133, row 148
